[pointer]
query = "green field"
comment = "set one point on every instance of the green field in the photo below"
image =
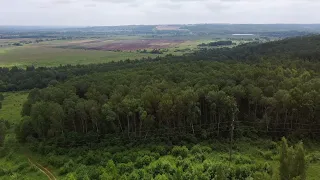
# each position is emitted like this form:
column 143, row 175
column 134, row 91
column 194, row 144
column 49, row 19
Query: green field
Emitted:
column 12, row 105
column 46, row 56
column 50, row 53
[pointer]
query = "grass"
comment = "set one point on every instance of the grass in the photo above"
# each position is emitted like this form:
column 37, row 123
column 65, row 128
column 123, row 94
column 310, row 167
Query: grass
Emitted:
column 14, row 165
column 46, row 56
column 12, row 106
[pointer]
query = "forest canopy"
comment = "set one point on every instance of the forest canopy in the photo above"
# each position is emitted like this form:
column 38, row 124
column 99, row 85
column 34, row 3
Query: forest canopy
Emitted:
column 200, row 98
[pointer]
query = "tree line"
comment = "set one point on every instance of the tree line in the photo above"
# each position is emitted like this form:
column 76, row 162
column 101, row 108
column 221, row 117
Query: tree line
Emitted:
column 199, row 98
column 217, row 43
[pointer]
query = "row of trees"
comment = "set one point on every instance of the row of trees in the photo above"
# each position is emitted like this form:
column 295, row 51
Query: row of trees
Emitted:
column 199, row 98
column 217, row 43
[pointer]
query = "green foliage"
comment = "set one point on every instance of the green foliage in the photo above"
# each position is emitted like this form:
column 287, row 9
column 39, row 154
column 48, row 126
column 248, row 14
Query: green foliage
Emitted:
column 180, row 151
column 67, row 167
column 143, row 161
column 162, row 166
column 198, row 149
column 110, row 172
column 292, row 161
column 3, row 130
column 70, row 176
column 125, row 167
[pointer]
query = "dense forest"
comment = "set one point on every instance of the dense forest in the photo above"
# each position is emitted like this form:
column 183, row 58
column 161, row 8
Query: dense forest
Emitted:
column 176, row 96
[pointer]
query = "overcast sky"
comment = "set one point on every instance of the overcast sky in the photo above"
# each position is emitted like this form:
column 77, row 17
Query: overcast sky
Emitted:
column 124, row 12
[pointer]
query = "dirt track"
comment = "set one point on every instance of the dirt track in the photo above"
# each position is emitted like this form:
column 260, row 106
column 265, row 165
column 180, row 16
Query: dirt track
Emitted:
column 42, row 169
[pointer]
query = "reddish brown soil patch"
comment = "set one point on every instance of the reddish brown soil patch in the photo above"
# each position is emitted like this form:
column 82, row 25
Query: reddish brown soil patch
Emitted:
column 129, row 45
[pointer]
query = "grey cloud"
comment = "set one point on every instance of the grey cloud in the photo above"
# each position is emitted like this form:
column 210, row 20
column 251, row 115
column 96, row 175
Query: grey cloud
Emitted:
column 61, row 2
column 116, row 12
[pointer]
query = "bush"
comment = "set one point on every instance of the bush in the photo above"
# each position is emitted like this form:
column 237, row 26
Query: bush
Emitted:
column 122, row 157
column 314, row 157
column 267, row 155
column 2, row 171
column 56, row 161
column 162, row 166
column 125, row 168
column 159, row 149
column 180, row 151
column 184, row 164
column 200, row 149
column 161, row 177
column 138, row 174
column 70, row 176
column 292, row 161
column 92, row 158
column 20, row 167
column 143, row 161
column 242, row 159
column 261, row 176
column 110, row 172
column 67, row 167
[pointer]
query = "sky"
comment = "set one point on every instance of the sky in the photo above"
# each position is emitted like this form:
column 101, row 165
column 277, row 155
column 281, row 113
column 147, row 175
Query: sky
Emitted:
column 129, row 12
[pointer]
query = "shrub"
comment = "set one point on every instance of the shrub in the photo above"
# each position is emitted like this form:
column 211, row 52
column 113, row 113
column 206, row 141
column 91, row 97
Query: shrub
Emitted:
column 198, row 151
column 242, row 159
column 56, row 161
column 221, row 173
column 138, row 174
column 159, row 149
column 91, row 158
column 292, row 161
column 261, row 176
column 180, row 151
column 67, row 167
column 110, row 172
column 314, row 157
column 121, row 157
column 162, row 166
column 161, row 177
column 268, row 155
column 2, row 172
column 215, row 170
column 184, row 163
column 20, row 167
column 70, row 176
column 82, row 172
column 125, row 168
column 143, row 161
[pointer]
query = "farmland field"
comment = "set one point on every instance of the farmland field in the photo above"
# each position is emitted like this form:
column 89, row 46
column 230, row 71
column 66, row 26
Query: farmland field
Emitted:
column 123, row 45
column 47, row 56
column 90, row 51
